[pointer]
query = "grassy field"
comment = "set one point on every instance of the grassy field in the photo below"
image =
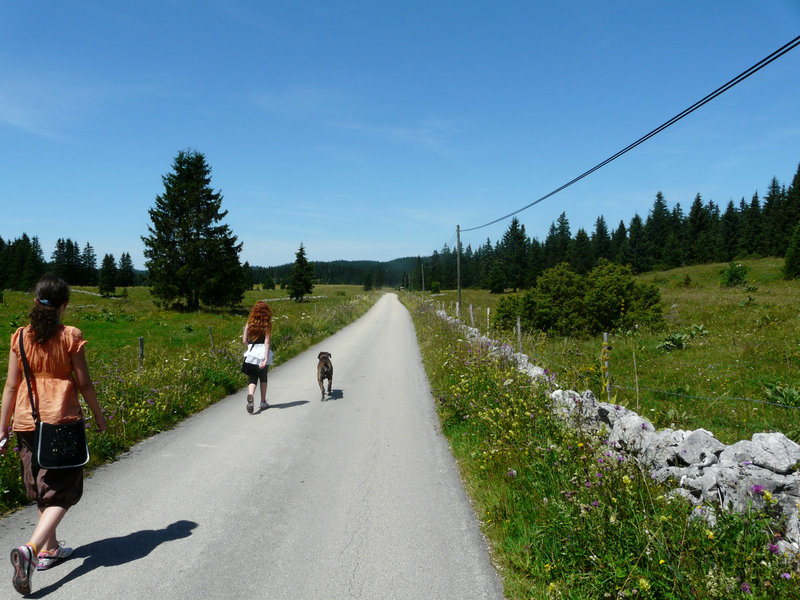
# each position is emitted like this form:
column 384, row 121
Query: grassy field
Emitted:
column 571, row 517
column 736, row 373
column 190, row 360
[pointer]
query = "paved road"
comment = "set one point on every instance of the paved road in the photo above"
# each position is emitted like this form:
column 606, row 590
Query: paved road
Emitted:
column 353, row 498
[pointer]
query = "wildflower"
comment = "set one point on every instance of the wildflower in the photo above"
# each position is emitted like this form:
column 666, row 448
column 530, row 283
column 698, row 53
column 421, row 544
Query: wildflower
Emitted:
column 644, row 585
column 662, row 561
column 511, row 473
column 746, row 588
column 786, row 575
column 774, row 548
column 595, row 503
column 757, row 489
column 626, row 480
column 709, row 534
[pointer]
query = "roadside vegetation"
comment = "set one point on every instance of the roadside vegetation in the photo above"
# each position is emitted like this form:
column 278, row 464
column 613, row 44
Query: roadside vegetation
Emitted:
column 567, row 515
column 191, row 359
column 726, row 357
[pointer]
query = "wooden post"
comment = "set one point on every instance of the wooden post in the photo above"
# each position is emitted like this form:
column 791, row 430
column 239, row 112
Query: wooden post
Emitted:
column 211, row 335
column 141, row 351
column 519, row 333
column 606, row 349
column 636, row 379
column 472, row 317
column 488, row 320
column 458, row 310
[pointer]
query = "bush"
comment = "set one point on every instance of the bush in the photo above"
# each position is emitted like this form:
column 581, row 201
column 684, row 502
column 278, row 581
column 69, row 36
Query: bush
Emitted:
column 734, row 274
column 791, row 265
column 566, row 303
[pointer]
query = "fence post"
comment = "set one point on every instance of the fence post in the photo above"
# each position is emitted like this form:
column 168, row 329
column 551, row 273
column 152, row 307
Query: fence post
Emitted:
column 636, row 379
column 458, row 310
column 606, row 374
column 519, row 333
column 488, row 321
column 471, row 316
column 141, row 351
column 211, row 334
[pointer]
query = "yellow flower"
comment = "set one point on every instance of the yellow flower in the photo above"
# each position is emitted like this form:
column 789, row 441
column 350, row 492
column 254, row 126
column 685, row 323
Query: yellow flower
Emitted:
column 662, row 561
column 626, row 480
column 644, row 584
column 709, row 534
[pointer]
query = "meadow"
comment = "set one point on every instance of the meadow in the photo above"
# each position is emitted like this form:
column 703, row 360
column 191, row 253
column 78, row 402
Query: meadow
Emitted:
column 727, row 359
column 189, row 361
column 569, row 516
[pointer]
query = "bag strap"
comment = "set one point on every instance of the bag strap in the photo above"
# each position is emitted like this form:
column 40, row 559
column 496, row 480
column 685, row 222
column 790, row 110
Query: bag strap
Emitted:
column 26, row 368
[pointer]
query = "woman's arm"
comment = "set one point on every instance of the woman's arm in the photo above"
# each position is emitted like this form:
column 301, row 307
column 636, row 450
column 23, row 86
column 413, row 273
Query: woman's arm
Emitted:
column 9, row 399
column 86, row 387
column 244, row 336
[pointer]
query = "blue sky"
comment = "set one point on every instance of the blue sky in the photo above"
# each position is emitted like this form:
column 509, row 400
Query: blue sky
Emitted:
column 369, row 130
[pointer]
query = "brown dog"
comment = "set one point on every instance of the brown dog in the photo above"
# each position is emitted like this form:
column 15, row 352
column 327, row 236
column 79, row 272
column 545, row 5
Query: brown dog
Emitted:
column 324, row 371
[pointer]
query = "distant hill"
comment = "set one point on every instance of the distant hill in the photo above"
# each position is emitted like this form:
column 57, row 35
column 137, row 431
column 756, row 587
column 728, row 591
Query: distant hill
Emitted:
column 346, row 272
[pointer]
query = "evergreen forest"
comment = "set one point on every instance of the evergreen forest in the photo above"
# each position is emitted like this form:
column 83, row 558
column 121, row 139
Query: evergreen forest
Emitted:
column 667, row 237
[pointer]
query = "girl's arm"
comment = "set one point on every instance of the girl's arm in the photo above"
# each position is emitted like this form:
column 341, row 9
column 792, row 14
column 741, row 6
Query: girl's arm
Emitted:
column 9, row 399
column 86, row 387
column 244, row 336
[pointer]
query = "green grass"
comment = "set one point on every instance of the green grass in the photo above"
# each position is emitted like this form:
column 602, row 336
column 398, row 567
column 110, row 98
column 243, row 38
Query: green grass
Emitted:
column 567, row 515
column 181, row 372
column 739, row 343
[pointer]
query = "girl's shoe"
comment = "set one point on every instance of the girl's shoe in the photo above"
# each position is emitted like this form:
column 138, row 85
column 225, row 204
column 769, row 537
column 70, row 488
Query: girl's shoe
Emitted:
column 50, row 558
column 23, row 562
column 264, row 406
column 250, row 403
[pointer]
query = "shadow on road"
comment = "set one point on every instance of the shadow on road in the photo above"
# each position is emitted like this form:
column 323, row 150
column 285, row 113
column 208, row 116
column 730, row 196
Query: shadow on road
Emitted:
column 113, row 552
column 284, row 405
column 334, row 395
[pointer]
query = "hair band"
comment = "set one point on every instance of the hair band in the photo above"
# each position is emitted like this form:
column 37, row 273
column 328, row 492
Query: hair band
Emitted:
column 44, row 301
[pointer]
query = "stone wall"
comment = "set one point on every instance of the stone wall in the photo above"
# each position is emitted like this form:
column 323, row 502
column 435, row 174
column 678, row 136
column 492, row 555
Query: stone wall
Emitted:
column 703, row 470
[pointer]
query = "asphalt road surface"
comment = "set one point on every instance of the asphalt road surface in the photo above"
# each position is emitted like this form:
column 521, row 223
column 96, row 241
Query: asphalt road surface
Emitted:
column 357, row 497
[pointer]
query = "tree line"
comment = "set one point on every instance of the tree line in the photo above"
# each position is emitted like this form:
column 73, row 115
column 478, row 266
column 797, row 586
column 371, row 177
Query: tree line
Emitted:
column 22, row 262
column 665, row 238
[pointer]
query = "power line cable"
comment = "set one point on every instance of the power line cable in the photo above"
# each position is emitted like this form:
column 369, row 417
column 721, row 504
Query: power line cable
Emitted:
column 720, row 90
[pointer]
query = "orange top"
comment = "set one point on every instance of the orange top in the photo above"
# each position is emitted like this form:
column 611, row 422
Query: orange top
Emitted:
column 52, row 381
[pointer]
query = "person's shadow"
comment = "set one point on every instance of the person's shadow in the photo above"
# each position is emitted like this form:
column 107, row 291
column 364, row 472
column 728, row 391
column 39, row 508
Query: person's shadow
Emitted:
column 113, row 552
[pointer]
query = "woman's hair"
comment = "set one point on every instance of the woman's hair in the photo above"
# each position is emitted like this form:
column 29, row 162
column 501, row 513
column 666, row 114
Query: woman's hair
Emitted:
column 50, row 294
column 259, row 323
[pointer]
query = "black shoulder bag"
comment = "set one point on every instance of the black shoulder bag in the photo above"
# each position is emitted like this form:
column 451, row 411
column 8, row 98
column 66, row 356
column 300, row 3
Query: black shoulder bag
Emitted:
column 61, row 446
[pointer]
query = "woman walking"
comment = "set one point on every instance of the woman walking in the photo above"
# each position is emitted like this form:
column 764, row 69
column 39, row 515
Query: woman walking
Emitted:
column 258, row 356
column 58, row 371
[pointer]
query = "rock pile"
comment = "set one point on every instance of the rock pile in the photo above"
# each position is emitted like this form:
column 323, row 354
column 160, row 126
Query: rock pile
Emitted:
column 750, row 473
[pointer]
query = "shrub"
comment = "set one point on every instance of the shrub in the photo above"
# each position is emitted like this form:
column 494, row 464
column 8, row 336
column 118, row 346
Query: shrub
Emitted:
column 791, row 265
column 734, row 274
column 566, row 303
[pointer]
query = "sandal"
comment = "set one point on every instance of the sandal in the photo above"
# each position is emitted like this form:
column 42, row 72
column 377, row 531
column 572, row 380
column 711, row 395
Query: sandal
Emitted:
column 250, row 403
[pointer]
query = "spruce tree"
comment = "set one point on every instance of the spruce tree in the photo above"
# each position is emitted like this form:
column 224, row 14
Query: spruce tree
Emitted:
column 107, row 280
column 126, row 277
column 191, row 256
column 301, row 281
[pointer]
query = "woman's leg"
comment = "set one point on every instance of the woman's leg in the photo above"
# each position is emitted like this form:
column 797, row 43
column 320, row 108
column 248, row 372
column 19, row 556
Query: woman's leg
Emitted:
column 44, row 536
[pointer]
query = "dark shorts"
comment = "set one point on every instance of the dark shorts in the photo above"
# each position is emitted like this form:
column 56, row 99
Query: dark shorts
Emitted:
column 254, row 373
column 48, row 487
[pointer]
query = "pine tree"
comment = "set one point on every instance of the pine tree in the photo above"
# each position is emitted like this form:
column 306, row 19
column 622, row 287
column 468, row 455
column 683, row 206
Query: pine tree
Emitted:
column 190, row 256
column 637, row 242
column 126, row 277
column 88, row 269
column 107, row 280
column 513, row 250
column 581, row 257
column 729, row 233
column 657, row 229
column 601, row 240
column 301, row 281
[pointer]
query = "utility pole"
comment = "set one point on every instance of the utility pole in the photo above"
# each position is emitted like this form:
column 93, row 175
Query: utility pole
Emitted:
column 458, row 261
